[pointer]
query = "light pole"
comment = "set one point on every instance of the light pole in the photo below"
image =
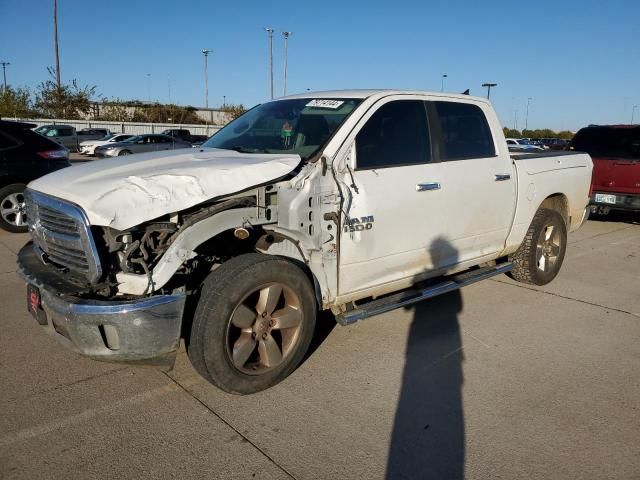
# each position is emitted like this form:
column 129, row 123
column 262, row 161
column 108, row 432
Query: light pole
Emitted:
column 633, row 111
column 270, row 31
column 149, row 87
column 206, row 52
column 55, row 42
column 286, row 36
column 526, row 118
column 442, row 83
column 489, row 86
column 4, row 73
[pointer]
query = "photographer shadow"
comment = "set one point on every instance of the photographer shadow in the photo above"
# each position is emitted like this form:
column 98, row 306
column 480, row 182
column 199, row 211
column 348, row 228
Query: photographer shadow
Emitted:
column 428, row 438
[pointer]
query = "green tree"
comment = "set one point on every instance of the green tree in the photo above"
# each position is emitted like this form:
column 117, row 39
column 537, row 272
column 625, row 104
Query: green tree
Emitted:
column 16, row 102
column 157, row 113
column 566, row 134
column 234, row 111
column 69, row 101
column 511, row 133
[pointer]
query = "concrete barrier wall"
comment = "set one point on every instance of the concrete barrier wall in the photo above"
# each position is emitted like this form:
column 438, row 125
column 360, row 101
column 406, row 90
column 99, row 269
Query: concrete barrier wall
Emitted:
column 135, row 128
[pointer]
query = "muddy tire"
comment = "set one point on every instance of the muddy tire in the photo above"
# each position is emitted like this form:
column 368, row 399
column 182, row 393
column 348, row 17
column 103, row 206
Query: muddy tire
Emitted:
column 540, row 256
column 253, row 323
column 12, row 212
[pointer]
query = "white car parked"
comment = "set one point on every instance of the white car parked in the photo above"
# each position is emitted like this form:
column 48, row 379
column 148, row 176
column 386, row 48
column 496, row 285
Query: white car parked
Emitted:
column 522, row 145
column 89, row 147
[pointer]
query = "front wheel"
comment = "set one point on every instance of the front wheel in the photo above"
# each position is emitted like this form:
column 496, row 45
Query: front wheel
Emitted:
column 124, row 152
column 253, row 324
column 12, row 208
column 539, row 258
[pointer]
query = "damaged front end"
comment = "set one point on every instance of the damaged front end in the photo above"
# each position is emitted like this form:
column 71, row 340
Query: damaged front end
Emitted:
column 120, row 295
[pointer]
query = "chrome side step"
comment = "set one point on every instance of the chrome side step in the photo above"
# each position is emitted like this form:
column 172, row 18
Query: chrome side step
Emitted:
column 414, row 295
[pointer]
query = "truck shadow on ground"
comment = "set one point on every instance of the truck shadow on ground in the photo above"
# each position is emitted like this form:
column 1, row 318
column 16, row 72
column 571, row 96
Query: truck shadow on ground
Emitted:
column 428, row 437
column 620, row 216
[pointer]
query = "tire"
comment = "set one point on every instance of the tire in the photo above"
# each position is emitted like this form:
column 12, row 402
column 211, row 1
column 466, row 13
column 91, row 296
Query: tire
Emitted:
column 240, row 318
column 539, row 258
column 124, row 152
column 12, row 214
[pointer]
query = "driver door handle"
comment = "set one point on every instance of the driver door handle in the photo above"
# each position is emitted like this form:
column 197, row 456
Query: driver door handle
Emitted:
column 501, row 177
column 423, row 187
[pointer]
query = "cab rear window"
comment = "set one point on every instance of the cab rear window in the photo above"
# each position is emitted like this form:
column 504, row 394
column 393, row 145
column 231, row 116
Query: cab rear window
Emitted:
column 608, row 142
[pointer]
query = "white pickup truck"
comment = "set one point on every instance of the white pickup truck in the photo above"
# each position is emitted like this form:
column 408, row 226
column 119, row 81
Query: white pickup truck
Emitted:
column 353, row 201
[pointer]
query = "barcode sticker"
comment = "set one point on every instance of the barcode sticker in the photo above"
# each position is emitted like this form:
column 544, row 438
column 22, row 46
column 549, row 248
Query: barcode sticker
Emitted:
column 333, row 104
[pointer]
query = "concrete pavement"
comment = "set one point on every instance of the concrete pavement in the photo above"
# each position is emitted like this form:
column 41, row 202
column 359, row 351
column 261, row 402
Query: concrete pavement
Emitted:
column 499, row 381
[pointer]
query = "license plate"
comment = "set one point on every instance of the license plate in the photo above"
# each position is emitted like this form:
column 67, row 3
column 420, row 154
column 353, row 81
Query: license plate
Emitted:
column 34, row 304
column 605, row 198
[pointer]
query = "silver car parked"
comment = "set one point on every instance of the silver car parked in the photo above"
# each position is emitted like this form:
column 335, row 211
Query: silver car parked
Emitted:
column 139, row 144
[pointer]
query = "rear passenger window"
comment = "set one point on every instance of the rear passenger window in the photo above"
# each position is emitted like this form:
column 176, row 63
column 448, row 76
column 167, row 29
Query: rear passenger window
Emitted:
column 396, row 134
column 6, row 141
column 464, row 131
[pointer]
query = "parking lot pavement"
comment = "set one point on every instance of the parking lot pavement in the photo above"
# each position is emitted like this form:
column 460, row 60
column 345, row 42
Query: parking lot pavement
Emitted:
column 499, row 381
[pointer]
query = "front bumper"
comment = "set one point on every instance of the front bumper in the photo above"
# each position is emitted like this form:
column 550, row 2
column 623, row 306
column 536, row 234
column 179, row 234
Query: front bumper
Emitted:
column 623, row 201
column 144, row 329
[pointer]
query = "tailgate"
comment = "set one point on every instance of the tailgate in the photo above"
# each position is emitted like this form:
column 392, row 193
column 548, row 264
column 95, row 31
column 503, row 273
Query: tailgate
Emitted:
column 619, row 175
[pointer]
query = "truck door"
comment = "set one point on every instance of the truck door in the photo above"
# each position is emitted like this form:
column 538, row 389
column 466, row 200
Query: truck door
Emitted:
column 427, row 193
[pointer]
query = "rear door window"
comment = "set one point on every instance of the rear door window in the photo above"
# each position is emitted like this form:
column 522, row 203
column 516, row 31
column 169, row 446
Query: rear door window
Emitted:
column 464, row 131
column 395, row 135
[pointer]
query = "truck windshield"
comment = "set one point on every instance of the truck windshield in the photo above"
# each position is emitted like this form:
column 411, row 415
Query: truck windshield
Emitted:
column 612, row 142
column 297, row 126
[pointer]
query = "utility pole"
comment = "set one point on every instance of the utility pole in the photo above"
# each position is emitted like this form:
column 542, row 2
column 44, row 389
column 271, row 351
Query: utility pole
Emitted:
column 4, row 73
column 633, row 111
column 270, row 31
column 442, row 84
column 149, row 87
column 224, row 101
column 526, row 118
column 489, row 85
column 286, row 36
column 55, row 42
column 206, row 52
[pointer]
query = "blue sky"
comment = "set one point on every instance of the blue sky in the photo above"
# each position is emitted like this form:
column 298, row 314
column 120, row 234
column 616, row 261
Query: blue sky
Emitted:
column 579, row 61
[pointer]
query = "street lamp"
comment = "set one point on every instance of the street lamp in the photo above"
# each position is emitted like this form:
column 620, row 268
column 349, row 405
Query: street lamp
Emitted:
column 206, row 52
column 442, row 84
column 4, row 73
column 633, row 111
column 148, row 87
column 270, row 31
column 489, row 86
column 286, row 36
column 526, row 118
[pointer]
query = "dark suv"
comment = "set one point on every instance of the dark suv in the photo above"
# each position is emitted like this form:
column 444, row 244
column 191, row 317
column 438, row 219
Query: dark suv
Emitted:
column 24, row 156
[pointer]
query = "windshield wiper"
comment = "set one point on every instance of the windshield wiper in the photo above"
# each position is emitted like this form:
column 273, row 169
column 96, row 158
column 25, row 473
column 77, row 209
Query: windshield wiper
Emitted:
column 241, row 149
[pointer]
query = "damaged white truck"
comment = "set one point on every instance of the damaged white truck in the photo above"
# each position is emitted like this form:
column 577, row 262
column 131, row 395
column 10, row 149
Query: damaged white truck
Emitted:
column 356, row 202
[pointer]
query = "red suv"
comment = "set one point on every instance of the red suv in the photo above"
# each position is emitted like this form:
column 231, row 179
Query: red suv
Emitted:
column 615, row 150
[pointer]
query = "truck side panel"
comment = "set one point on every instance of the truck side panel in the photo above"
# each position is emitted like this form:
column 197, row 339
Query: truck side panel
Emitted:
column 542, row 176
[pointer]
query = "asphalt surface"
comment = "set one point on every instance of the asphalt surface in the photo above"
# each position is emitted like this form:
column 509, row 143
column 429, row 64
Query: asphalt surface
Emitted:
column 499, row 381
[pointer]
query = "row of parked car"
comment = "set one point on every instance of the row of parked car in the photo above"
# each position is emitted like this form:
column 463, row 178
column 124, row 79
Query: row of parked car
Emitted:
column 102, row 142
column 536, row 145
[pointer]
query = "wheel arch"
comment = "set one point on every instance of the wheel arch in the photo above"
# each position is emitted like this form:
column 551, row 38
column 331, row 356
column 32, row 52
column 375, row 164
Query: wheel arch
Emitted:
column 558, row 202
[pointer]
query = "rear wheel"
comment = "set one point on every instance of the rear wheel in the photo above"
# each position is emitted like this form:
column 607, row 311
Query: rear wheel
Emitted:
column 540, row 256
column 12, row 208
column 253, row 324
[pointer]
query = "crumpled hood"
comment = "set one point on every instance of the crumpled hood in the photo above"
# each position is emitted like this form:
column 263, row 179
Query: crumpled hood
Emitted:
column 125, row 191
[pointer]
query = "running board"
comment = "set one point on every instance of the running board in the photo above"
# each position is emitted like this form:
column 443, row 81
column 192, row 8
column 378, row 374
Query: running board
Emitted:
column 411, row 296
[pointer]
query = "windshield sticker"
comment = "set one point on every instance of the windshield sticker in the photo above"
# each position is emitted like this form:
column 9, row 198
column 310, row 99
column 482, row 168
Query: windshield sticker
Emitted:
column 285, row 134
column 333, row 104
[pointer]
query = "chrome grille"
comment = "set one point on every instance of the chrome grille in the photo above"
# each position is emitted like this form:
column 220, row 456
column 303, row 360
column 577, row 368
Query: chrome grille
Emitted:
column 61, row 231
